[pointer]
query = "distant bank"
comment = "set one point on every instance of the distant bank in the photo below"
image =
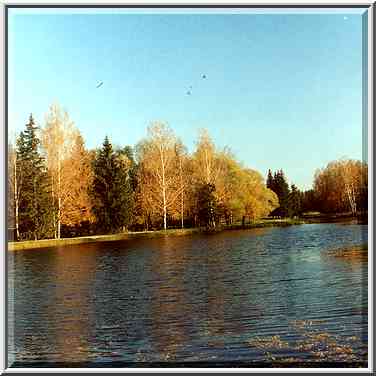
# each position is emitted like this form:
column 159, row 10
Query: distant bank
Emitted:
column 45, row 243
column 315, row 217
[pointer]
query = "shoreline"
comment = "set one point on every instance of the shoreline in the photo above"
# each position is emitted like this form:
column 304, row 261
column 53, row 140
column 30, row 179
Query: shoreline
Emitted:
column 47, row 243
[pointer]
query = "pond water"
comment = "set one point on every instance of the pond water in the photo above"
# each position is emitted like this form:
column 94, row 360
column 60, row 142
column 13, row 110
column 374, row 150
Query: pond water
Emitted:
column 238, row 297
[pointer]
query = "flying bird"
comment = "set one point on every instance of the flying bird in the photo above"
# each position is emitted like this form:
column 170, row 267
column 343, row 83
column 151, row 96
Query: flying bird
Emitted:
column 189, row 92
column 204, row 76
column 99, row 85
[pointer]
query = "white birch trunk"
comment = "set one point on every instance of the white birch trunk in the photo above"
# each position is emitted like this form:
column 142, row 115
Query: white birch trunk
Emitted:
column 349, row 189
column 163, row 189
column 351, row 198
column 53, row 206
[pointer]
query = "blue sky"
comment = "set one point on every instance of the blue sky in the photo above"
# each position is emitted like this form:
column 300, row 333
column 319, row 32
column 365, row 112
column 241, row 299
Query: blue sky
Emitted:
column 283, row 90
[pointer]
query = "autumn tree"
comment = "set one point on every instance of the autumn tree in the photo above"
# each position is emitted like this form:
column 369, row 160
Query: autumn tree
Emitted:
column 351, row 173
column 78, row 176
column 363, row 189
column 238, row 192
column 327, row 186
column 206, row 204
column 182, row 166
column 207, row 166
column 143, row 202
column 226, row 184
column 253, row 198
column 58, row 138
column 342, row 186
column 159, row 172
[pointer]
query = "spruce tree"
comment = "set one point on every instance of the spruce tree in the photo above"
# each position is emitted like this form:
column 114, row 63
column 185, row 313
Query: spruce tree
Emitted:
column 279, row 185
column 270, row 181
column 35, row 201
column 111, row 191
column 283, row 194
column 294, row 202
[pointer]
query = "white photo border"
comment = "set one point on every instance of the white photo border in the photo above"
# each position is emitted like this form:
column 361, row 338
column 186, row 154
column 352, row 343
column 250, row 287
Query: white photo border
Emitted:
column 368, row 126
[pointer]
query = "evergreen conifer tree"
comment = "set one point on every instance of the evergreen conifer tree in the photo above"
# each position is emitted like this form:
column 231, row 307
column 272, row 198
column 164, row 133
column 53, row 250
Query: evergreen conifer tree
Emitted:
column 35, row 201
column 294, row 202
column 270, row 181
column 111, row 191
column 279, row 185
column 284, row 192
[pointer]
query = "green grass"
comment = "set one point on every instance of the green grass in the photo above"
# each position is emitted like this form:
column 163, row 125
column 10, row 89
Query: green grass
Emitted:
column 265, row 223
column 47, row 243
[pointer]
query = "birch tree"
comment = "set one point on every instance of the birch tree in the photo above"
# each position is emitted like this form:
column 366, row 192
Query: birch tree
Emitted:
column 143, row 210
column 57, row 139
column 207, row 168
column 78, row 176
column 157, row 158
column 342, row 186
column 182, row 167
column 350, row 176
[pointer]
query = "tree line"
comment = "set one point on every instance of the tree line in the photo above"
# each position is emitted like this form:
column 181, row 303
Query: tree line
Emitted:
column 58, row 188
column 339, row 188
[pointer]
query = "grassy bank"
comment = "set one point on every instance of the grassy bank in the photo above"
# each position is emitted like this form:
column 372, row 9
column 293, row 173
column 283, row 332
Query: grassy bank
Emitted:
column 33, row 244
column 266, row 223
column 361, row 218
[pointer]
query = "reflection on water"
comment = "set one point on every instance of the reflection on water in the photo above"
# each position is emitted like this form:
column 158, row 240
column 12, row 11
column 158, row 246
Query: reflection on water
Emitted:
column 234, row 296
